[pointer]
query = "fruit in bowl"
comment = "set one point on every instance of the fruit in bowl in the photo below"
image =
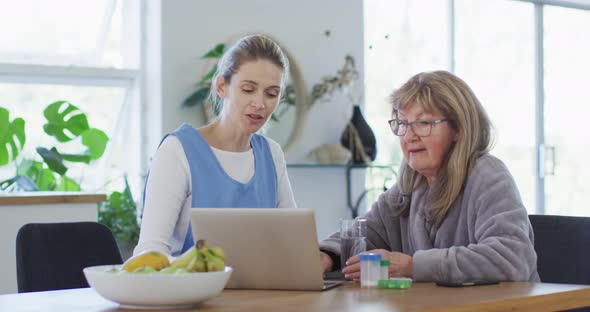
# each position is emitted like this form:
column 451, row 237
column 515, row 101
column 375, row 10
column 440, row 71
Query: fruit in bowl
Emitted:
column 198, row 258
column 147, row 280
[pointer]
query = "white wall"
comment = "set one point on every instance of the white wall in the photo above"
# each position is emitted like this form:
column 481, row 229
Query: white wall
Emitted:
column 324, row 190
column 190, row 28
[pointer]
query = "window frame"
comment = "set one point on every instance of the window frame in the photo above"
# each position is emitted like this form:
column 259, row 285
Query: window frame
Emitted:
column 539, row 81
column 131, row 80
column 542, row 151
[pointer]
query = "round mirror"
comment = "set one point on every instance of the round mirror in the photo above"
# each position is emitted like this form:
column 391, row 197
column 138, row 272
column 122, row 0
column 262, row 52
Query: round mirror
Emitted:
column 282, row 126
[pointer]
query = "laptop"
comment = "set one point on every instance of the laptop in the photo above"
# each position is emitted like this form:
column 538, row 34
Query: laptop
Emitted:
column 268, row 248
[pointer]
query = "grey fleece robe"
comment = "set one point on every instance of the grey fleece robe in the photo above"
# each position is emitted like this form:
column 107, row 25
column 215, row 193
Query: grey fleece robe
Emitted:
column 485, row 235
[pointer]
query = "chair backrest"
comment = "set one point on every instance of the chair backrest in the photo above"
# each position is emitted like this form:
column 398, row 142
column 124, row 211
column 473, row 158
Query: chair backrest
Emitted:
column 562, row 244
column 51, row 256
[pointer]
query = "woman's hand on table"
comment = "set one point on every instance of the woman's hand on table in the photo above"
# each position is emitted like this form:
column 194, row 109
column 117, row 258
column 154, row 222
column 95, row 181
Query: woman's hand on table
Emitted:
column 326, row 262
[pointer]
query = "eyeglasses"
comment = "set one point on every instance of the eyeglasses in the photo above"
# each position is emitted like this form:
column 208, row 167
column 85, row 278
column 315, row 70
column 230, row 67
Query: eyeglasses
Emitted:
column 421, row 128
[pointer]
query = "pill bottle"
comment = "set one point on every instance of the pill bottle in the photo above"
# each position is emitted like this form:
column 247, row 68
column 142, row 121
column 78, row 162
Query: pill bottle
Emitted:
column 370, row 269
column 384, row 270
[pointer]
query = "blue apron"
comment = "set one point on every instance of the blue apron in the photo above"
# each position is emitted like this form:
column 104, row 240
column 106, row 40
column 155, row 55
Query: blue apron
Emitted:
column 212, row 187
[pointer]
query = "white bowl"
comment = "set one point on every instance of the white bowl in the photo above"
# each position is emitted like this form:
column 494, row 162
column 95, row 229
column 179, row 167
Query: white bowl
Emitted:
column 156, row 290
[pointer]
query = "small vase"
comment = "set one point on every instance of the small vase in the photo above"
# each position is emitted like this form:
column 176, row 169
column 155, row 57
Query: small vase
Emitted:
column 359, row 139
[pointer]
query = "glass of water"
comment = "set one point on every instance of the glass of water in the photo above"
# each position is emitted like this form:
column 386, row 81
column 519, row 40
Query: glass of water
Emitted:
column 353, row 238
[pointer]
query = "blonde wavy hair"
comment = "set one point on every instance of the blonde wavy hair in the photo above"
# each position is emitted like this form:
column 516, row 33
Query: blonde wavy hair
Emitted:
column 445, row 93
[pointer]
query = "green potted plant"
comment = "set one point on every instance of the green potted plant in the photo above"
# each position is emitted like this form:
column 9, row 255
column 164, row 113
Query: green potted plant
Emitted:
column 12, row 133
column 120, row 214
column 65, row 123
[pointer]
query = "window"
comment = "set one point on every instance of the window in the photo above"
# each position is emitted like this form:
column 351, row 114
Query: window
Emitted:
column 498, row 63
column 566, row 110
column 527, row 68
column 401, row 39
column 88, row 54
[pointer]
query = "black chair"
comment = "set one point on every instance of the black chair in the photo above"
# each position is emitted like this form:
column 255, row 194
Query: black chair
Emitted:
column 563, row 248
column 51, row 256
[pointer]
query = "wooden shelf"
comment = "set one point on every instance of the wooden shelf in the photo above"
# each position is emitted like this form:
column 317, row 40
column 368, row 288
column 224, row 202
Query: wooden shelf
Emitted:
column 36, row 198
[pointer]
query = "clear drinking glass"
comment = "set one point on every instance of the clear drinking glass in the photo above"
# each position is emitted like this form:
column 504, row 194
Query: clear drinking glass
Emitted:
column 353, row 238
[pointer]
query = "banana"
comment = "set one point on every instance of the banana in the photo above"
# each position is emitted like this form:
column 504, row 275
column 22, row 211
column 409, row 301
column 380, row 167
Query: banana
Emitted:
column 144, row 270
column 185, row 259
column 218, row 252
column 168, row 270
column 181, row 271
column 197, row 264
column 198, row 258
column 214, row 263
column 154, row 259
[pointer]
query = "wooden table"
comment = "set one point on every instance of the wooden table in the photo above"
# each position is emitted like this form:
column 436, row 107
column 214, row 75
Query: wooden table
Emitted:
column 348, row 297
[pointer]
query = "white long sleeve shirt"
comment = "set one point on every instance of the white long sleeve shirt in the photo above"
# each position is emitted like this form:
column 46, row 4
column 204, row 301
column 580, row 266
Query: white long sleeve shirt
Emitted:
column 167, row 205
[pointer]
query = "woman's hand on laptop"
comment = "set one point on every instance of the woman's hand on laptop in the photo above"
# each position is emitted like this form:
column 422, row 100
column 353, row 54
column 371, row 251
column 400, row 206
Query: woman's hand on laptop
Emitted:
column 400, row 265
column 326, row 262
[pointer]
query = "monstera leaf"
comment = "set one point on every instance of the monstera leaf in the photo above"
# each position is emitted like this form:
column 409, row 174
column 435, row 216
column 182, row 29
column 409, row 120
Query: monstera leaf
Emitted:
column 80, row 158
column 11, row 133
column 66, row 184
column 23, row 183
column 45, row 178
column 64, row 121
column 30, row 176
column 96, row 141
column 53, row 159
column 42, row 177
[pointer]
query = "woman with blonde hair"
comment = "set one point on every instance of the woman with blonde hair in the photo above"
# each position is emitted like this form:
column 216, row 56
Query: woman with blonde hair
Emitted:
column 455, row 213
column 225, row 163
